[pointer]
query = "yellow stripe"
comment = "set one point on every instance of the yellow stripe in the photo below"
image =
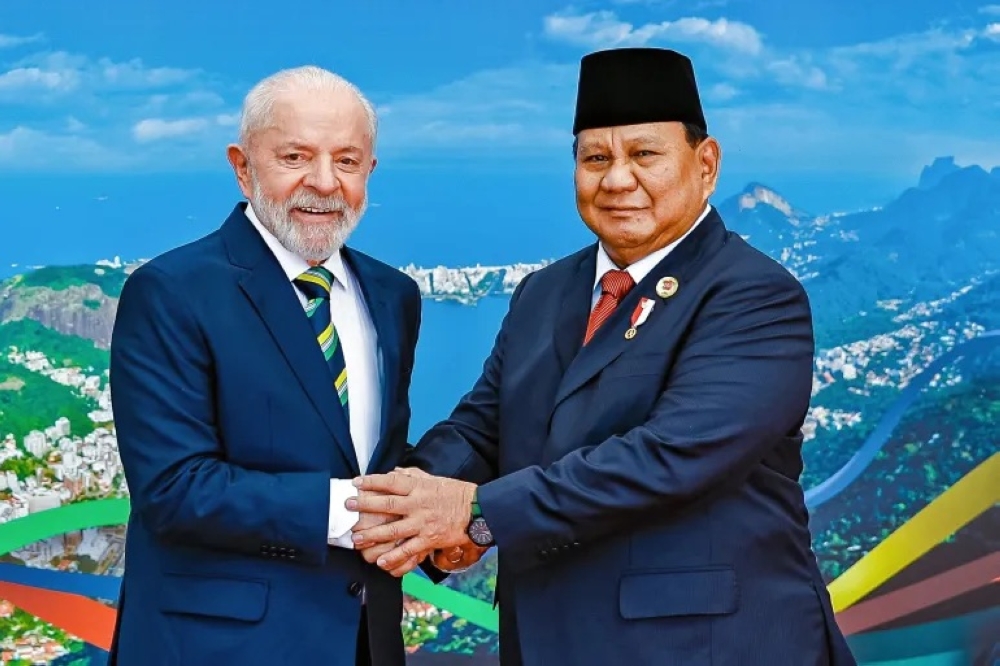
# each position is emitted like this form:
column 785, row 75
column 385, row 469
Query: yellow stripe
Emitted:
column 325, row 335
column 972, row 495
column 315, row 279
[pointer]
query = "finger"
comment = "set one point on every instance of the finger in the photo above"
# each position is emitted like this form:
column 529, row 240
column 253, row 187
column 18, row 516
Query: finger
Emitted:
column 407, row 567
column 368, row 520
column 395, row 558
column 386, row 533
column 369, row 503
column 396, row 484
column 372, row 553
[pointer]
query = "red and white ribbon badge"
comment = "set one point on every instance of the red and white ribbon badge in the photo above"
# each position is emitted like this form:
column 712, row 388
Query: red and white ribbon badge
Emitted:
column 641, row 313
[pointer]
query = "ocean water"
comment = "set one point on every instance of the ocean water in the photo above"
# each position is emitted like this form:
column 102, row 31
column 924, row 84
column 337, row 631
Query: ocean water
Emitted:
column 455, row 341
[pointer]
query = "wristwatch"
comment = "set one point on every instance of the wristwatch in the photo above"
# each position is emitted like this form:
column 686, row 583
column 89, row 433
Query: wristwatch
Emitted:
column 478, row 531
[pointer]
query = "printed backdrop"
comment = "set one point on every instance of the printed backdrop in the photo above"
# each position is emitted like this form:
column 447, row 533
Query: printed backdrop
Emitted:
column 860, row 152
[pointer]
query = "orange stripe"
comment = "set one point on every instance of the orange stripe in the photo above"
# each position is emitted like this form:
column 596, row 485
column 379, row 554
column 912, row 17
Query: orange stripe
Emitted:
column 84, row 618
column 918, row 596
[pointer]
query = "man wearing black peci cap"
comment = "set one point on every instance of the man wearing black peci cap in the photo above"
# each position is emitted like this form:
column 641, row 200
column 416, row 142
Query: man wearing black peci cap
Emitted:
column 633, row 446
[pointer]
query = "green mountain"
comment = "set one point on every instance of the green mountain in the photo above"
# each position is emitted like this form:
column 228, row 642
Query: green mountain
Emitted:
column 74, row 300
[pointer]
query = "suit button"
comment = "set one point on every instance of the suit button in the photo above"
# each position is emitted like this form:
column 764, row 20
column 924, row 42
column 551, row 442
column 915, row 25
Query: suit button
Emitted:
column 354, row 589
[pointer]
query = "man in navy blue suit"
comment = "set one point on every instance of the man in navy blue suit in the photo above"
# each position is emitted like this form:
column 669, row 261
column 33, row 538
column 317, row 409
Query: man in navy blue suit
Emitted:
column 254, row 373
column 633, row 446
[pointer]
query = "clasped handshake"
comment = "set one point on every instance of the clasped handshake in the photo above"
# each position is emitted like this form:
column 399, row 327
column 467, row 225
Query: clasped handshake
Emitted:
column 408, row 515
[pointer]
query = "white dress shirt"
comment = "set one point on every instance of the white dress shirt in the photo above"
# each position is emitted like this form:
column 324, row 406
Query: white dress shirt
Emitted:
column 364, row 377
column 641, row 268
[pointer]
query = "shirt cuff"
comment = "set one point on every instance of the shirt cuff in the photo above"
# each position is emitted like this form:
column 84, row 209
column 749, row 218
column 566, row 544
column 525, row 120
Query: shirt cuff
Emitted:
column 342, row 520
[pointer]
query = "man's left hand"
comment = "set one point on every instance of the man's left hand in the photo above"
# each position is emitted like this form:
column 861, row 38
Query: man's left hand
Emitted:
column 434, row 514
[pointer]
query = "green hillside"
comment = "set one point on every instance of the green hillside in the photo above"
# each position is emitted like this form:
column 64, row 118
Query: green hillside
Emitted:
column 110, row 280
column 64, row 350
column 30, row 401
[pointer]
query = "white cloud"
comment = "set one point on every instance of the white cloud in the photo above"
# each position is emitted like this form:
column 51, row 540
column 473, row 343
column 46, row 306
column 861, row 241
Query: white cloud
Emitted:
column 62, row 72
column 75, row 126
column 731, row 50
column 27, row 79
column 24, row 149
column 156, row 129
column 14, row 41
column 722, row 92
column 603, row 29
column 857, row 107
column 792, row 71
column 516, row 108
column 159, row 129
column 853, row 108
column 134, row 74
column 697, row 5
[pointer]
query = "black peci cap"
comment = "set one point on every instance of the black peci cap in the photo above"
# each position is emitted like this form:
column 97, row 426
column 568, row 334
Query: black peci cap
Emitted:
column 636, row 85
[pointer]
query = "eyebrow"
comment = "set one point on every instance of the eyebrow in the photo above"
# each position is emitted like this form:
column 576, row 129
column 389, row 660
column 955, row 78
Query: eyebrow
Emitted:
column 638, row 139
column 644, row 139
column 296, row 144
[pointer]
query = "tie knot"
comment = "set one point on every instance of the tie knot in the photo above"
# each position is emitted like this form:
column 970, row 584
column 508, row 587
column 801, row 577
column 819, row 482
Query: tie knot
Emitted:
column 315, row 282
column 617, row 284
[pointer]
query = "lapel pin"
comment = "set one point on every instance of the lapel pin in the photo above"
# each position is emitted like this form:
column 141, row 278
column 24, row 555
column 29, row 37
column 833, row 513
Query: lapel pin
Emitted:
column 666, row 287
column 639, row 315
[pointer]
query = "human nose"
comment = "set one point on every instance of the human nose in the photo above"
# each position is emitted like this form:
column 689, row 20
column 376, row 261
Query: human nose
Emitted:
column 323, row 177
column 619, row 177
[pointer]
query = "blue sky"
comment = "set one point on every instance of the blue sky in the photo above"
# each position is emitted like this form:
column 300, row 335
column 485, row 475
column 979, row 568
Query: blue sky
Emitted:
column 835, row 110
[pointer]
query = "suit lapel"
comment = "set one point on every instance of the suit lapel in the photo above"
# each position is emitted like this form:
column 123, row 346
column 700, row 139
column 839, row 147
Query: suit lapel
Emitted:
column 272, row 295
column 610, row 342
column 376, row 295
column 571, row 321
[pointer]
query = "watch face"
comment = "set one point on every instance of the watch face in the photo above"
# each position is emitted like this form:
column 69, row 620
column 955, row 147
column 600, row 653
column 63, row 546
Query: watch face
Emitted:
column 479, row 533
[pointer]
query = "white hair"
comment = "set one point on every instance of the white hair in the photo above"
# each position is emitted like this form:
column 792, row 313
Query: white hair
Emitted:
column 258, row 105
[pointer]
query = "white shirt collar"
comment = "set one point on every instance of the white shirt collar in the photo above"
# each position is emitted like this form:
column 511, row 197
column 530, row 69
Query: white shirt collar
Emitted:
column 641, row 268
column 291, row 263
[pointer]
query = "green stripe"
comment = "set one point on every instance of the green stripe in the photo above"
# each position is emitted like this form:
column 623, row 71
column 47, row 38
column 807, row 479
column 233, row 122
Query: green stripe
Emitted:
column 316, row 278
column 35, row 527
column 462, row 605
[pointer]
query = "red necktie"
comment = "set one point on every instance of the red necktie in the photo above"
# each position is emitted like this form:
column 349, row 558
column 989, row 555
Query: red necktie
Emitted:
column 614, row 286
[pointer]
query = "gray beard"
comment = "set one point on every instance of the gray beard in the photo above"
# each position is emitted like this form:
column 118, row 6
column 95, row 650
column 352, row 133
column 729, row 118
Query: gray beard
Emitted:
column 313, row 242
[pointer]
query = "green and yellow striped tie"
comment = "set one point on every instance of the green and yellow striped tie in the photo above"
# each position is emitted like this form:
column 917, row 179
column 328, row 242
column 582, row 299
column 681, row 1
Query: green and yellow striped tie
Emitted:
column 315, row 284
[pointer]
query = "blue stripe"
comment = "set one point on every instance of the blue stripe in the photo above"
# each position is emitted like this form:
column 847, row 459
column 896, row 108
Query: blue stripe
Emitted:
column 89, row 585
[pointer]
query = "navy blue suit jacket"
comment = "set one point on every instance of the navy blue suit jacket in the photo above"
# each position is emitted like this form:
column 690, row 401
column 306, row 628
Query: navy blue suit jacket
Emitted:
column 644, row 492
column 230, row 431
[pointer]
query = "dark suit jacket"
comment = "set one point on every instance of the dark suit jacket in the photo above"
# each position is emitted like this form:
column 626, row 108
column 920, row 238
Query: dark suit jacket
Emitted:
column 644, row 492
column 230, row 430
